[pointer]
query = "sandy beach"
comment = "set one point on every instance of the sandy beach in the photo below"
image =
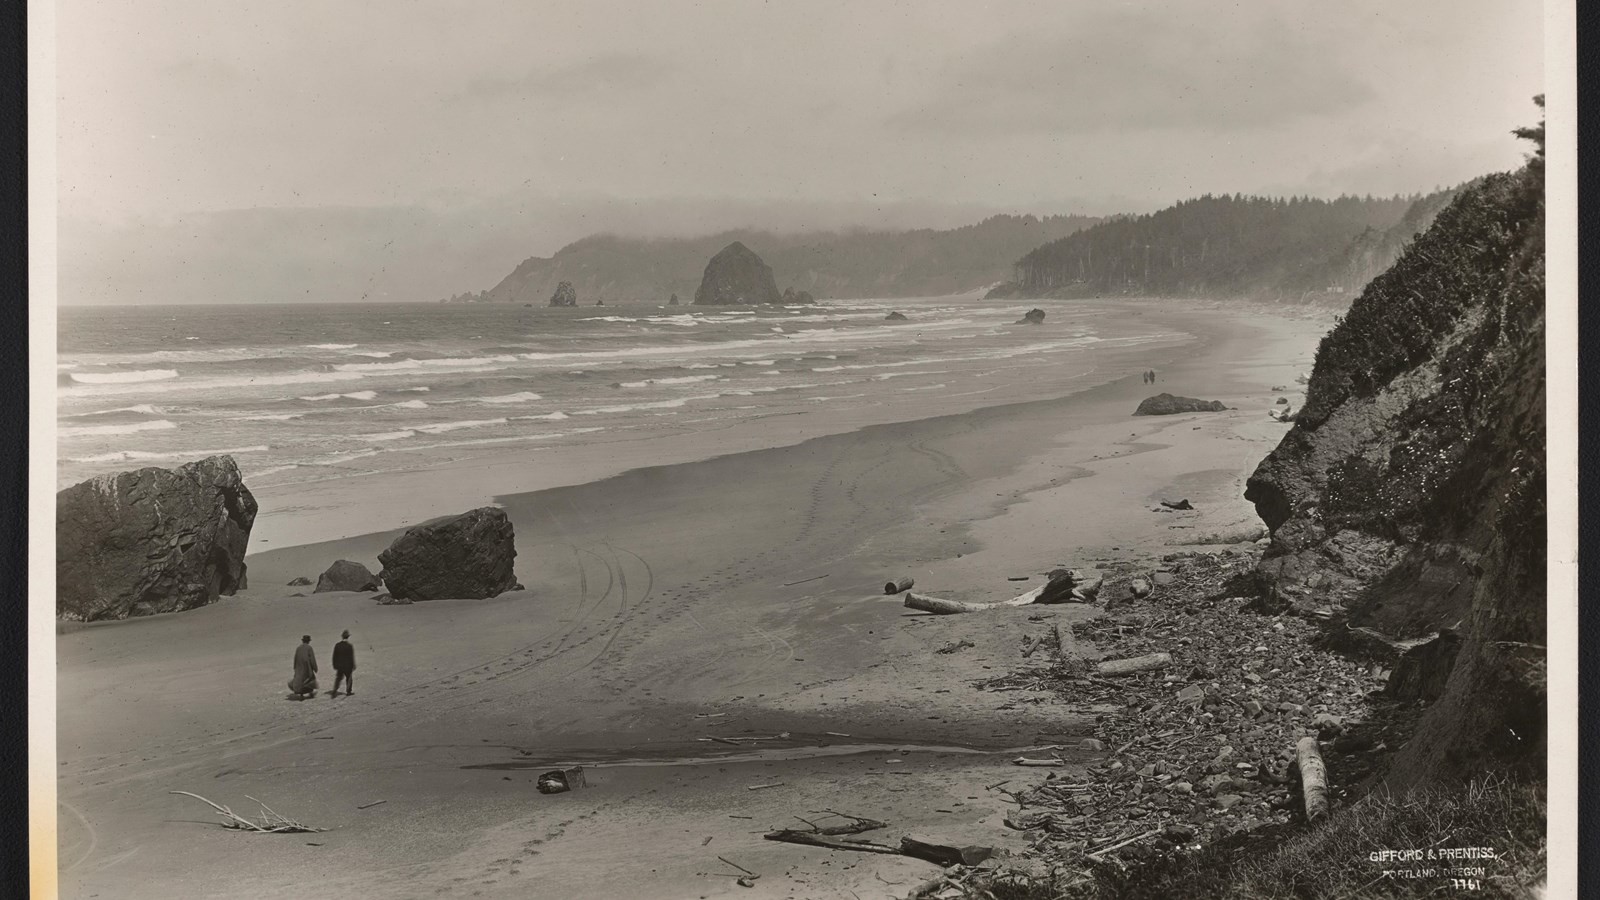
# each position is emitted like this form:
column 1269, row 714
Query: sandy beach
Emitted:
column 718, row 585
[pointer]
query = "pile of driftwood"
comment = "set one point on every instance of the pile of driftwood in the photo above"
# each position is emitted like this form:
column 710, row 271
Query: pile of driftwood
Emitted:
column 269, row 822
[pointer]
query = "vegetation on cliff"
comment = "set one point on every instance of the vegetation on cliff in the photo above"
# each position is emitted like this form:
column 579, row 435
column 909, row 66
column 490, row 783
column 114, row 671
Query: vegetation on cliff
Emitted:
column 1233, row 246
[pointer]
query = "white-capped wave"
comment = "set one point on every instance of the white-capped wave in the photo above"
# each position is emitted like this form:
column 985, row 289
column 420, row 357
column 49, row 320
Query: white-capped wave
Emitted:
column 659, row 404
column 411, row 404
column 269, row 417
column 682, row 379
column 376, row 354
column 421, row 388
column 62, row 367
column 141, row 455
column 523, row 397
column 141, row 408
column 124, row 377
column 356, row 395
column 447, row 362
column 85, row 430
column 759, row 362
column 388, row 435
column 330, row 346
column 441, row 427
column 549, row 417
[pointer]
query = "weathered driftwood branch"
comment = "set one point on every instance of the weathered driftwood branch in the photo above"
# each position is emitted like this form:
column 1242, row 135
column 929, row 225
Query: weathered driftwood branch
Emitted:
column 1134, row 664
column 270, row 821
column 1313, row 778
column 812, row 838
column 1120, row 844
column 898, row 585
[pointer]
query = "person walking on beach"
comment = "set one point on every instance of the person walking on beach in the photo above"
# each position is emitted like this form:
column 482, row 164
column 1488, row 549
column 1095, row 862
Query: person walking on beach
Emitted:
column 344, row 666
column 304, row 682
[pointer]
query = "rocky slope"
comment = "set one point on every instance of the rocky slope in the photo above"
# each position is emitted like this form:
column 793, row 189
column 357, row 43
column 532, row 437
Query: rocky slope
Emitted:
column 1409, row 496
column 924, row 262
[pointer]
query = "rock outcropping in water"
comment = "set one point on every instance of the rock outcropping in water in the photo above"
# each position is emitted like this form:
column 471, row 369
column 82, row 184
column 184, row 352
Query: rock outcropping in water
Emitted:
column 1170, row 405
column 466, row 557
column 1409, row 496
column 736, row 275
column 152, row 541
column 565, row 295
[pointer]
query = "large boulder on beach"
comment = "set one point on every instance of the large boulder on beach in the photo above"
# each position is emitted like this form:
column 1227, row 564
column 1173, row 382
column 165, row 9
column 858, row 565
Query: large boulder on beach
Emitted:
column 465, row 557
column 346, row 575
column 1031, row 317
column 1169, row 404
column 152, row 540
column 736, row 275
column 565, row 295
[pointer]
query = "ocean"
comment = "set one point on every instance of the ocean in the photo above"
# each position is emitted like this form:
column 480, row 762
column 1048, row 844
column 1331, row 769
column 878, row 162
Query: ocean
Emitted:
column 301, row 393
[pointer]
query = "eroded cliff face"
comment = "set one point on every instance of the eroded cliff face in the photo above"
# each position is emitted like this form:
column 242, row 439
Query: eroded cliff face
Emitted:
column 1408, row 498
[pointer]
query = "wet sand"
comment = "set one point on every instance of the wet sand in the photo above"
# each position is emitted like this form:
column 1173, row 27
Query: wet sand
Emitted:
column 736, row 596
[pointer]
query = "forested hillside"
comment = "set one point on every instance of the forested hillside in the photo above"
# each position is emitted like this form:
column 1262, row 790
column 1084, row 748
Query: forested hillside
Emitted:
column 1293, row 249
column 925, row 262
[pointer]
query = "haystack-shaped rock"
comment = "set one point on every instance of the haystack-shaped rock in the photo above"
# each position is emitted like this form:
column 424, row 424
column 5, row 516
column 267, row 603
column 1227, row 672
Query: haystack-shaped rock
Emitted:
column 565, row 295
column 346, row 575
column 469, row 556
column 673, row 300
column 794, row 297
column 152, row 541
column 736, row 275
column 1167, row 405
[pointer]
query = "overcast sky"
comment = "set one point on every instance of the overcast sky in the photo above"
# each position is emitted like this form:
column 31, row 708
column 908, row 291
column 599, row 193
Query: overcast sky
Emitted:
column 312, row 142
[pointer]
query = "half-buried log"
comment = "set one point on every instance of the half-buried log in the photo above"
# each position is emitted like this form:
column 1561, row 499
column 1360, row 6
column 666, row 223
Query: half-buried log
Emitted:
column 1313, row 778
column 1134, row 664
column 898, row 585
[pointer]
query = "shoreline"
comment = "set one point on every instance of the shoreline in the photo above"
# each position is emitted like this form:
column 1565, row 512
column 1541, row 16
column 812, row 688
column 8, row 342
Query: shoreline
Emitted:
column 348, row 506
column 657, row 595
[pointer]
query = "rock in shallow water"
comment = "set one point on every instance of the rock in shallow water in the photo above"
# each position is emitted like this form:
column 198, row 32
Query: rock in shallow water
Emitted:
column 152, row 541
column 467, row 557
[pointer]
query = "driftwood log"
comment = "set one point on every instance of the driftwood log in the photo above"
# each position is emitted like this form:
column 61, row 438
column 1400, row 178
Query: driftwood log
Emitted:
column 1313, row 778
column 943, row 607
column 898, row 585
column 1134, row 664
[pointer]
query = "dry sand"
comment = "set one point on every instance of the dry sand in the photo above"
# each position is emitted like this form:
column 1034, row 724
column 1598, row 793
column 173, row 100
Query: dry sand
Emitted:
column 736, row 596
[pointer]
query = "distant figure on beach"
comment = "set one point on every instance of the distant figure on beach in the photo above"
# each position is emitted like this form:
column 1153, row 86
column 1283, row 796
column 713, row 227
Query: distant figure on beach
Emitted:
column 344, row 666
column 304, row 682
column 1152, row 376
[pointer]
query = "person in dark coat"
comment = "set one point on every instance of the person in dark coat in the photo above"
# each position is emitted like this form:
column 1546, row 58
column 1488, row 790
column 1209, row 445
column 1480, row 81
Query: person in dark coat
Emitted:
column 344, row 666
column 304, row 682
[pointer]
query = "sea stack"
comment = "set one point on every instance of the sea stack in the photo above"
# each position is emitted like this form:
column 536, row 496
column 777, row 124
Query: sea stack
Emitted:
column 152, row 541
column 465, row 557
column 736, row 275
column 565, row 295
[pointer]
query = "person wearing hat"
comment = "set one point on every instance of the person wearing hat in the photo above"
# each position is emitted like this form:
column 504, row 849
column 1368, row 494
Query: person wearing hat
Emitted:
column 344, row 666
column 304, row 682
